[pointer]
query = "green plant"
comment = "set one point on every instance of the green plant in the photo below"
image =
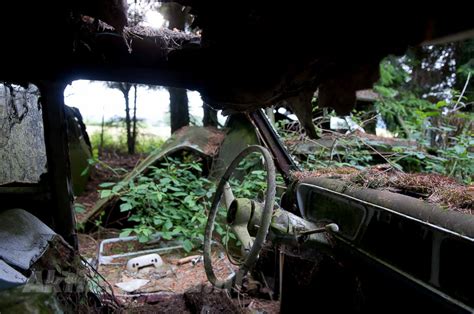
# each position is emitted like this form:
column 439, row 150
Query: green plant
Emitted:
column 94, row 161
column 112, row 140
column 79, row 208
column 442, row 130
column 249, row 180
column 456, row 160
column 148, row 143
column 172, row 199
column 346, row 150
column 418, row 100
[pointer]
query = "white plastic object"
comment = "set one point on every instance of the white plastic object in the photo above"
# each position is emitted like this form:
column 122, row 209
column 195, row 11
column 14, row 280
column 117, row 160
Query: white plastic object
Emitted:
column 336, row 123
column 134, row 264
column 109, row 259
column 132, row 285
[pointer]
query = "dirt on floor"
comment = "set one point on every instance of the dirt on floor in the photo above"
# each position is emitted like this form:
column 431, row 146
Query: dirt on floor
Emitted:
column 172, row 287
column 433, row 188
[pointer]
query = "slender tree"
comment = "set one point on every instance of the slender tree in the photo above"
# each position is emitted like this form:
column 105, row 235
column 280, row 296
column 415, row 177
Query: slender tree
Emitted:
column 210, row 116
column 176, row 15
column 134, row 120
column 130, row 122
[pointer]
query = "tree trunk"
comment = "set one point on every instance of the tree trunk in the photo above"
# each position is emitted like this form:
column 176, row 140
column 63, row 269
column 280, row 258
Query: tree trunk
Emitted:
column 102, row 130
column 270, row 115
column 210, row 116
column 175, row 13
column 125, row 89
column 128, row 124
column 179, row 110
column 134, row 130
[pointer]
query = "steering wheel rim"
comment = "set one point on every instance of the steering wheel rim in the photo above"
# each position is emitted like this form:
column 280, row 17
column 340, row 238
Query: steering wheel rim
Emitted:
column 252, row 255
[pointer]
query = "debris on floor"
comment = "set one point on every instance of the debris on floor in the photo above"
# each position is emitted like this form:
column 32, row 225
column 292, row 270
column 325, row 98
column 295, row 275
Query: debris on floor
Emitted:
column 175, row 283
column 169, row 277
column 132, row 284
column 433, row 188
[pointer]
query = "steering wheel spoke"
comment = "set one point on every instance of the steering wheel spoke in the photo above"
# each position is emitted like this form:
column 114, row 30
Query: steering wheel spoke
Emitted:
column 244, row 237
column 228, row 195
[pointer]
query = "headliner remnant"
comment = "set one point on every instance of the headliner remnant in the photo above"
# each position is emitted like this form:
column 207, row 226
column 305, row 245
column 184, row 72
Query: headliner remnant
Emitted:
column 245, row 58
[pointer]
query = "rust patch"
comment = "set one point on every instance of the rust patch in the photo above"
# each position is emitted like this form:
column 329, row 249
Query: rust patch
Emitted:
column 214, row 137
column 214, row 142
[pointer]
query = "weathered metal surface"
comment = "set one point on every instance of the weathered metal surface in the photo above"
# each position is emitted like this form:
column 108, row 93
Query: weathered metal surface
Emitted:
column 288, row 228
column 423, row 245
column 240, row 134
column 238, row 217
column 424, row 211
column 285, row 164
column 79, row 149
column 22, row 145
column 23, row 237
column 22, row 148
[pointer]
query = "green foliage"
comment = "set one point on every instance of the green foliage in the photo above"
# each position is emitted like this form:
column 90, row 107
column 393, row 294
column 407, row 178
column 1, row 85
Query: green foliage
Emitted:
column 250, row 179
column 111, row 141
column 94, row 161
column 172, row 199
column 114, row 139
column 148, row 143
column 79, row 208
column 399, row 105
column 451, row 156
column 391, row 74
column 418, row 100
column 347, row 151
column 444, row 133
column 455, row 160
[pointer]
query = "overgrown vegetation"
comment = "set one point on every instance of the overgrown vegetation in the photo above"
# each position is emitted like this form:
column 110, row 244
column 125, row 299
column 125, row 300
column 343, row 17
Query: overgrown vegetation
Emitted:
column 249, row 179
column 425, row 97
column 436, row 122
column 171, row 199
column 174, row 198
column 112, row 138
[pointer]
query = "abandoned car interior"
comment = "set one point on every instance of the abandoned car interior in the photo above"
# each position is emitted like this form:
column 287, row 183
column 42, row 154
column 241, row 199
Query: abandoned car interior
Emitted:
column 344, row 240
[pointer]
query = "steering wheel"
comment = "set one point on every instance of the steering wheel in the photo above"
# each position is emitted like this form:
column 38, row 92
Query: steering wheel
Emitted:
column 253, row 247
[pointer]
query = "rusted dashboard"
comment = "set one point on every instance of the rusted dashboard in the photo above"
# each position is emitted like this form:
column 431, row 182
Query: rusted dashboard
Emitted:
column 436, row 260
